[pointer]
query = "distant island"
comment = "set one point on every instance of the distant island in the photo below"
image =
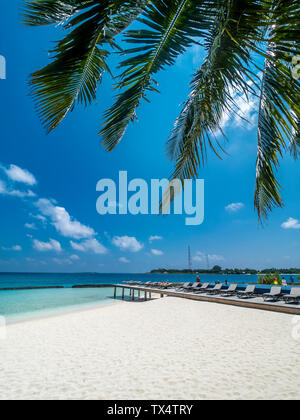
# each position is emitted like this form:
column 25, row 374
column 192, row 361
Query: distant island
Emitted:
column 219, row 270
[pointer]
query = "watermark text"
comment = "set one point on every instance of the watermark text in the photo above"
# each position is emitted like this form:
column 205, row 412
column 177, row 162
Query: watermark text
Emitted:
column 160, row 197
column 2, row 67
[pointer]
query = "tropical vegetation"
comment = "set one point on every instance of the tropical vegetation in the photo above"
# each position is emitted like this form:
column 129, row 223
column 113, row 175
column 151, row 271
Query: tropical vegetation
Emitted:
column 229, row 271
column 270, row 279
column 250, row 47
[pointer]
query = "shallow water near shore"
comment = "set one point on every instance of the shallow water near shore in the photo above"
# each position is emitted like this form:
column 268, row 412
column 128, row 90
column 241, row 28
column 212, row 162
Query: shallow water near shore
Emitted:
column 14, row 280
column 18, row 305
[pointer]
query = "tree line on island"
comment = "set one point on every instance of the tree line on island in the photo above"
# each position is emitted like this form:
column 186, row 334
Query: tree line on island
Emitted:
column 218, row 270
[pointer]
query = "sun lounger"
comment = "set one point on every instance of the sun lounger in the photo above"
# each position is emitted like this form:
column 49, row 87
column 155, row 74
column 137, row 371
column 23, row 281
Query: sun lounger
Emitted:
column 192, row 286
column 230, row 291
column 151, row 284
column 148, row 284
column 133, row 283
column 216, row 290
column 274, row 295
column 202, row 289
column 293, row 296
column 183, row 287
column 158, row 285
column 248, row 293
column 195, row 287
column 166, row 286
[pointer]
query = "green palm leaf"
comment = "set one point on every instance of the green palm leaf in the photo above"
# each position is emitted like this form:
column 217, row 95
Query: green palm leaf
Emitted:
column 48, row 12
column 171, row 26
column 276, row 124
column 79, row 59
column 279, row 111
column 294, row 145
column 225, row 72
column 234, row 33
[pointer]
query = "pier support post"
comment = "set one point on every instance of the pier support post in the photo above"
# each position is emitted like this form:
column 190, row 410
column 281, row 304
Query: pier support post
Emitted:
column 139, row 293
column 132, row 294
column 145, row 295
column 123, row 291
column 115, row 293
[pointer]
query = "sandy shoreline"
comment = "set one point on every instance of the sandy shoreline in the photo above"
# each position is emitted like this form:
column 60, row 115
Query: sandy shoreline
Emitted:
column 163, row 349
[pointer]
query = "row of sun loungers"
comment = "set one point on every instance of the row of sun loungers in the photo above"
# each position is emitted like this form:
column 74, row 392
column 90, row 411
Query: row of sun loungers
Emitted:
column 232, row 291
column 293, row 297
column 158, row 285
column 274, row 295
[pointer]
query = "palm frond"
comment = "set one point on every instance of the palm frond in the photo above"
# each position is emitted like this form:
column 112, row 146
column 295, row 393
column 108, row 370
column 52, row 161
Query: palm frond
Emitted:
column 48, row 12
column 294, row 145
column 277, row 124
column 225, row 73
column 233, row 32
column 171, row 26
column 80, row 58
column 279, row 112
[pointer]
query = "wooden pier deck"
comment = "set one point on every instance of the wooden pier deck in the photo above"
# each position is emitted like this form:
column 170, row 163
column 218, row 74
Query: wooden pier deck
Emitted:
column 142, row 292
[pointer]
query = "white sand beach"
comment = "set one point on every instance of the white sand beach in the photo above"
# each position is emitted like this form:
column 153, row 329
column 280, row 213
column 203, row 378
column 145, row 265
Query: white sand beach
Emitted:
column 162, row 349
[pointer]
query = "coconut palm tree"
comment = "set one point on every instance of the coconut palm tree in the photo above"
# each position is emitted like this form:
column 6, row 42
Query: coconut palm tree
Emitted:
column 250, row 47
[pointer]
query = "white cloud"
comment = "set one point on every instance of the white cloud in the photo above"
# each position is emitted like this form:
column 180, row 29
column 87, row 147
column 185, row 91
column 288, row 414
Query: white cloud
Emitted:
column 197, row 51
column 17, row 174
column 63, row 261
column 291, row 224
column 216, row 258
column 39, row 217
column 2, row 187
column 126, row 243
column 52, row 245
column 16, row 248
column 246, row 109
column 77, row 247
column 155, row 238
column 234, row 207
column 201, row 257
column 90, row 245
column 124, row 260
column 156, row 252
column 63, row 222
column 30, row 226
column 22, row 194
column 74, row 257
column 4, row 190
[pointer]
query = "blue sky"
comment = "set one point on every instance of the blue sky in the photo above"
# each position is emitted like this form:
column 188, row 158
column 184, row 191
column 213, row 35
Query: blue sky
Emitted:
column 48, row 183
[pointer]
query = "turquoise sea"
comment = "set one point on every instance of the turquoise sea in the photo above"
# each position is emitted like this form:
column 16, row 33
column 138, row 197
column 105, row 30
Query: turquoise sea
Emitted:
column 17, row 305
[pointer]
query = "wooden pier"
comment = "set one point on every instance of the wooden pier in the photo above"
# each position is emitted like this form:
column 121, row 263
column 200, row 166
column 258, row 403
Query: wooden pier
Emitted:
column 254, row 303
column 147, row 292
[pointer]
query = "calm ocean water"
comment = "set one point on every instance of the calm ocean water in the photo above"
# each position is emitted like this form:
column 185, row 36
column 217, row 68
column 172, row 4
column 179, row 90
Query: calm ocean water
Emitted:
column 19, row 304
column 69, row 280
